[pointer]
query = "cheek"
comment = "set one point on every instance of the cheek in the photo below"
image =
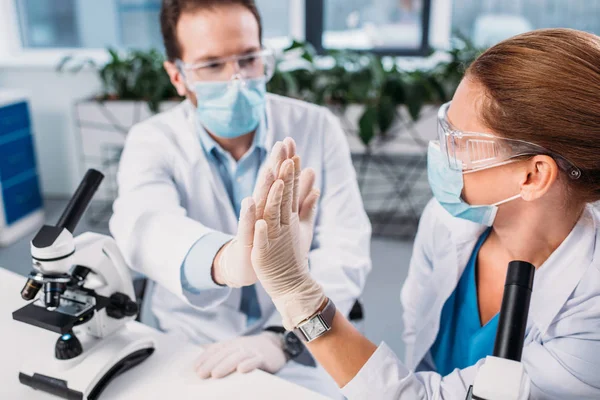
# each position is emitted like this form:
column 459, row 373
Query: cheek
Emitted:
column 481, row 188
column 490, row 186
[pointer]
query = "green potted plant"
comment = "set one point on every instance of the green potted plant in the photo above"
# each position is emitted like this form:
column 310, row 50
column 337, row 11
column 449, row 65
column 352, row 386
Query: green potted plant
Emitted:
column 375, row 83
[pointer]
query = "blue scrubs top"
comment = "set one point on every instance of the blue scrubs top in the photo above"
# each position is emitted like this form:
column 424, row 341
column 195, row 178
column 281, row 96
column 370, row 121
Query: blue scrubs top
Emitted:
column 461, row 340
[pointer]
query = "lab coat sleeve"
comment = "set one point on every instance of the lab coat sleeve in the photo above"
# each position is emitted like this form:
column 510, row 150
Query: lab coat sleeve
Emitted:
column 194, row 278
column 563, row 368
column 340, row 254
column 384, row 377
column 149, row 224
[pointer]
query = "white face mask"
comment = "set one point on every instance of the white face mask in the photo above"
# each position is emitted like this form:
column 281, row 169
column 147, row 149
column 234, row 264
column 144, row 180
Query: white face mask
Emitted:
column 447, row 186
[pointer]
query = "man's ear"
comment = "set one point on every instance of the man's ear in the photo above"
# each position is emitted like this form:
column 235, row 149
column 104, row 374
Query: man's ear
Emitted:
column 176, row 78
column 541, row 173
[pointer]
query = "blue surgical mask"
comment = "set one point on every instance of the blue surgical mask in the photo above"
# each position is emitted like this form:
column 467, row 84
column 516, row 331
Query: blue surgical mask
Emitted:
column 447, row 186
column 230, row 109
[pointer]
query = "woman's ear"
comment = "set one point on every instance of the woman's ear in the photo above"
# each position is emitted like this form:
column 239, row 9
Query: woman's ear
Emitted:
column 540, row 174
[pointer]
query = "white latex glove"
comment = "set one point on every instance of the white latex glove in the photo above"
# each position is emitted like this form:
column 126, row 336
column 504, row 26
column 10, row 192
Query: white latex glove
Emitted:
column 243, row 354
column 279, row 253
column 233, row 266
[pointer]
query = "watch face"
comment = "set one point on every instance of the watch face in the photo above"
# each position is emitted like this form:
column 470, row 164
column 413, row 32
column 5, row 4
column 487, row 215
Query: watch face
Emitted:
column 314, row 328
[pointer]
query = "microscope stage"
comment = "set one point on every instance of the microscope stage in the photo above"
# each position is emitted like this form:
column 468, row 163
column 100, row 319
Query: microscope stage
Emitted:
column 62, row 320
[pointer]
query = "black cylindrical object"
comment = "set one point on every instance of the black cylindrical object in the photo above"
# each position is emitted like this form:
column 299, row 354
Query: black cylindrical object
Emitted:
column 52, row 293
column 30, row 290
column 515, row 309
column 80, row 200
column 79, row 274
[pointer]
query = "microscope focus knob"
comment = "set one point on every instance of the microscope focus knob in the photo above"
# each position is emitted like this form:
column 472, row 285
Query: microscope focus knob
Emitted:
column 121, row 306
column 67, row 347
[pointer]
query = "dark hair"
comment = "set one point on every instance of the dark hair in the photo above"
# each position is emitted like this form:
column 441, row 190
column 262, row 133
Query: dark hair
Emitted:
column 171, row 11
column 544, row 87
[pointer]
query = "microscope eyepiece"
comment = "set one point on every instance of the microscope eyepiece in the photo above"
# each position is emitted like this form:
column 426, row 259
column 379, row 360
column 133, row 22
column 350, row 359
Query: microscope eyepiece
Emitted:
column 30, row 290
column 52, row 293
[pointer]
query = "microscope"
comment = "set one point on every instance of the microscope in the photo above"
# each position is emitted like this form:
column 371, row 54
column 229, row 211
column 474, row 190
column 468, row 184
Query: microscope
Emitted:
column 503, row 377
column 88, row 300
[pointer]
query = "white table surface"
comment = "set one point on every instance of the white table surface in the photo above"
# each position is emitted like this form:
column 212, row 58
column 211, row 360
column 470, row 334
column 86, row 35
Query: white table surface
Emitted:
column 167, row 374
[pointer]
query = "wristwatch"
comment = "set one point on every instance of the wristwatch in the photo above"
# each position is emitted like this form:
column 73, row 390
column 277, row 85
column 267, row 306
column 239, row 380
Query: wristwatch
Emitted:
column 293, row 348
column 317, row 325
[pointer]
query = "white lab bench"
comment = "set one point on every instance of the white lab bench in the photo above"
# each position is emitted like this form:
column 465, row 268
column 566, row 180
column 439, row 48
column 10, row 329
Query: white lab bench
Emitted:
column 167, row 374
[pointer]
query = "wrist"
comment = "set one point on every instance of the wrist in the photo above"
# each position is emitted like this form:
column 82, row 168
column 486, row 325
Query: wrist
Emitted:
column 216, row 272
column 300, row 304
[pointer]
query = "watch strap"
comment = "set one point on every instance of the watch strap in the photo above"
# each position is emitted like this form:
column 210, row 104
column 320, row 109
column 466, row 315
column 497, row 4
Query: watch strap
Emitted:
column 275, row 329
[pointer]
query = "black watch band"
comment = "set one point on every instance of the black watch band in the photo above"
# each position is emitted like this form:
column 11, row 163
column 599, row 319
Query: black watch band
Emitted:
column 275, row 329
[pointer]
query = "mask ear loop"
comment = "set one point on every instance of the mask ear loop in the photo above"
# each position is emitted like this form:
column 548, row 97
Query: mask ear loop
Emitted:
column 507, row 200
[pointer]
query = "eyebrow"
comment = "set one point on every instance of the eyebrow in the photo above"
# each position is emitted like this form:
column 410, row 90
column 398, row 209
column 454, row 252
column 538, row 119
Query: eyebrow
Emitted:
column 248, row 50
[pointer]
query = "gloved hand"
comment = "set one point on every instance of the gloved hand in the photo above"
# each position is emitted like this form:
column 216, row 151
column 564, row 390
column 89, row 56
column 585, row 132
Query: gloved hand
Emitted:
column 232, row 265
column 243, row 354
column 279, row 252
column 233, row 262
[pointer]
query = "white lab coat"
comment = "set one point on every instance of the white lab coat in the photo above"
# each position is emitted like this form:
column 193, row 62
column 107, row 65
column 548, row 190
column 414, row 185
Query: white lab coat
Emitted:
column 562, row 345
column 170, row 196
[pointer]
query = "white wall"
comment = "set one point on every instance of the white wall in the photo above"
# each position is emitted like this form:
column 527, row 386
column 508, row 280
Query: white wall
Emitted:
column 52, row 97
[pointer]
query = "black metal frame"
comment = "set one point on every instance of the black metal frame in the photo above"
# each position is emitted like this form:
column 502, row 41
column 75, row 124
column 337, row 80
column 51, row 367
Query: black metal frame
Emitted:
column 315, row 26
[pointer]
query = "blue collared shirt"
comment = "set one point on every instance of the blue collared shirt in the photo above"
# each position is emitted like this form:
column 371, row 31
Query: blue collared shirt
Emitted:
column 239, row 179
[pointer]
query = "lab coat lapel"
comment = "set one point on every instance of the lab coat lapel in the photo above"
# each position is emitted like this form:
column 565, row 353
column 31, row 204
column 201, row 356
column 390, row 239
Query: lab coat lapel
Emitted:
column 557, row 278
column 449, row 263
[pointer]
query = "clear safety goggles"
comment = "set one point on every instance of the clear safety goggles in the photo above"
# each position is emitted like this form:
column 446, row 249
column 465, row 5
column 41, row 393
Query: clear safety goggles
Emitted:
column 260, row 64
column 474, row 151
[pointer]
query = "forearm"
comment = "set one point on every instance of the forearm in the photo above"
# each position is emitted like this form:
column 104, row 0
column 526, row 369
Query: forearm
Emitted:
column 342, row 351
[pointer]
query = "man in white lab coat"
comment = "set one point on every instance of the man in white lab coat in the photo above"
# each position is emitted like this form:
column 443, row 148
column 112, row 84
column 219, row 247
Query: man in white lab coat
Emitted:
column 184, row 173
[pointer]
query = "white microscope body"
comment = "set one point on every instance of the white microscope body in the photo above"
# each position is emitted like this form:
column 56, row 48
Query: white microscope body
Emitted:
column 501, row 379
column 88, row 300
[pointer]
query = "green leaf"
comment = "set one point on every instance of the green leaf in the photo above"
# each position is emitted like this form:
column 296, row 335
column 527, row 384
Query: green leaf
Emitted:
column 415, row 99
column 393, row 88
column 366, row 125
column 386, row 114
column 438, row 89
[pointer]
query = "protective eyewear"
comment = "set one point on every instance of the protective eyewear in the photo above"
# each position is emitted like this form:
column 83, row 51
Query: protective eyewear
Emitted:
column 474, row 151
column 260, row 64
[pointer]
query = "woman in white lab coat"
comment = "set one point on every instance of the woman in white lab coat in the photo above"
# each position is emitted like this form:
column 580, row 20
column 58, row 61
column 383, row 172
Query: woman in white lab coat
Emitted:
column 521, row 139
